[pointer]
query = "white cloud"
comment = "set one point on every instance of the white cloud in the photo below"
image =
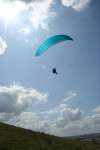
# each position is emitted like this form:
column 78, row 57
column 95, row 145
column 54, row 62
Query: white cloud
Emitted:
column 70, row 114
column 97, row 109
column 38, row 122
column 30, row 120
column 80, row 125
column 3, row 46
column 16, row 99
column 16, row 108
column 40, row 13
column 61, row 120
column 76, row 4
column 70, row 96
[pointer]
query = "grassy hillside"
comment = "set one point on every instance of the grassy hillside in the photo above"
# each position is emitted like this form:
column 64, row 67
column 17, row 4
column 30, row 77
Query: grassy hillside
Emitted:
column 13, row 138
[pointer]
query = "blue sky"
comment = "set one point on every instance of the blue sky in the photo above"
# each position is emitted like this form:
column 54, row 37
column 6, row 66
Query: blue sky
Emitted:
column 66, row 104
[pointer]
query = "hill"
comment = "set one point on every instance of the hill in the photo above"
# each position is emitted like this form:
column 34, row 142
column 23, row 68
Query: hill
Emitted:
column 14, row 138
column 95, row 136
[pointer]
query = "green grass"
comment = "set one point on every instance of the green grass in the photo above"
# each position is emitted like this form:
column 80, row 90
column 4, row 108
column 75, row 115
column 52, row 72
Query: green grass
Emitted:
column 14, row 138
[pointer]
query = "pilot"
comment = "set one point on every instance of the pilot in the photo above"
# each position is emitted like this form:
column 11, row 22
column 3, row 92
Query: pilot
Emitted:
column 54, row 71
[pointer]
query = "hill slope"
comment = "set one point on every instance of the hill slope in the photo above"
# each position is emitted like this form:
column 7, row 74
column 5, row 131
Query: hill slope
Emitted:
column 14, row 138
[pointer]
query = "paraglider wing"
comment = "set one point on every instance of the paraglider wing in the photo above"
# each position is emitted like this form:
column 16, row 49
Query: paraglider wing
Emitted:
column 51, row 41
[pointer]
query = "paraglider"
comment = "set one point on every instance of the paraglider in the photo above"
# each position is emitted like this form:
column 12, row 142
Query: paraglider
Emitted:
column 54, row 71
column 51, row 41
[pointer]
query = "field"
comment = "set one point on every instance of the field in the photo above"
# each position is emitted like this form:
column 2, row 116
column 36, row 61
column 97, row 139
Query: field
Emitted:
column 14, row 138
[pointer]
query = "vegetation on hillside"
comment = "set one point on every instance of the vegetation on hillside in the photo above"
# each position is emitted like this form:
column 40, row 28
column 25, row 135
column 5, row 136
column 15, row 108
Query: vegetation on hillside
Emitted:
column 14, row 138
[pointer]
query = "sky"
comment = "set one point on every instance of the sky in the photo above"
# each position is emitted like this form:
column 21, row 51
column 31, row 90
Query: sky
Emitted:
column 30, row 95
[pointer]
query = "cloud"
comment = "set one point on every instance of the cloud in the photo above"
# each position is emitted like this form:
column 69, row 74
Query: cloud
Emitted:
column 75, row 123
column 16, row 108
column 70, row 96
column 70, row 114
column 3, row 46
column 97, row 109
column 62, row 120
column 38, row 11
column 16, row 99
column 57, row 125
column 77, row 5
column 44, row 121
column 30, row 120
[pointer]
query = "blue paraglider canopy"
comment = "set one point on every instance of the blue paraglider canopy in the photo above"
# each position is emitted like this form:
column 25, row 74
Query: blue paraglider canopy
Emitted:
column 51, row 41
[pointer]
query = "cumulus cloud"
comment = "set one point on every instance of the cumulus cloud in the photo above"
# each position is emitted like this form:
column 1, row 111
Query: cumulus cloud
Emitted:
column 57, row 125
column 79, row 125
column 63, row 120
column 31, row 120
column 44, row 121
column 76, row 4
column 39, row 11
column 15, row 99
column 3, row 46
column 70, row 114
